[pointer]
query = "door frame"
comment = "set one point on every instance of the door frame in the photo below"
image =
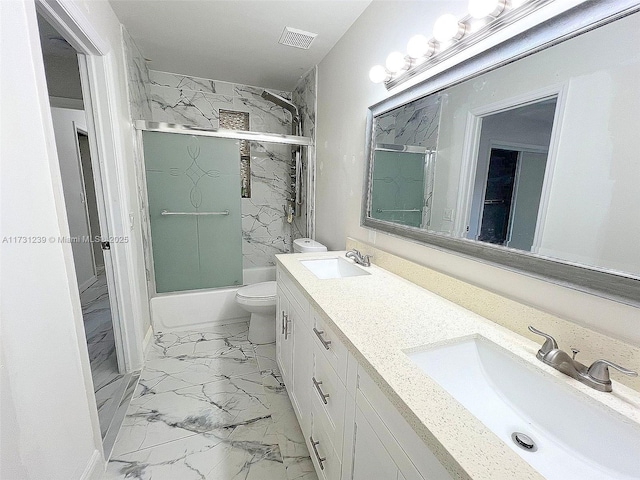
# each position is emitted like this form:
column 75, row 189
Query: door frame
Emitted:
column 100, row 95
column 471, row 148
column 83, row 131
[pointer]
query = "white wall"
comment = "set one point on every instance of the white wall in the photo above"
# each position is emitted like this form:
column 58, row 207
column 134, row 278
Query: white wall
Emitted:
column 344, row 94
column 65, row 122
column 52, row 416
column 46, row 394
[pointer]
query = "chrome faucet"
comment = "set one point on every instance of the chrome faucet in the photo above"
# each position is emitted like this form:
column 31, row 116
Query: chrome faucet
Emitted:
column 356, row 256
column 596, row 376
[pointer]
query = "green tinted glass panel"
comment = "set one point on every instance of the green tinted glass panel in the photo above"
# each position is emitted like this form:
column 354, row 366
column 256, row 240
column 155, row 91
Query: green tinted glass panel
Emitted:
column 186, row 175
column 397, row 193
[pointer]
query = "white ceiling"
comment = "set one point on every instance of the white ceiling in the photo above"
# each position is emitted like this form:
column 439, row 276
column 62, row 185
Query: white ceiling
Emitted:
column 235, row 40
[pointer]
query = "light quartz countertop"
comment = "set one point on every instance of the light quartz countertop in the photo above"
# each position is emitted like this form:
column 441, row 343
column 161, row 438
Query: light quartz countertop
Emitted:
column 381, row 315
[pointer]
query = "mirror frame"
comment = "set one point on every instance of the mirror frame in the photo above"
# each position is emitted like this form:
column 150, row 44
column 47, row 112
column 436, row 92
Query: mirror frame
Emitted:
column 580, row 19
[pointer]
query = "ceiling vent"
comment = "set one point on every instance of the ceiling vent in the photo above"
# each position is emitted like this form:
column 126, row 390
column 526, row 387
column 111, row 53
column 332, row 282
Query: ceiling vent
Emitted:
column 293, row 37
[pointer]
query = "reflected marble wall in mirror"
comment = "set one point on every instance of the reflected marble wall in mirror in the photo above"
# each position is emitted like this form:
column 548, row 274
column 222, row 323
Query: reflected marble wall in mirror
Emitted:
column 537, row 156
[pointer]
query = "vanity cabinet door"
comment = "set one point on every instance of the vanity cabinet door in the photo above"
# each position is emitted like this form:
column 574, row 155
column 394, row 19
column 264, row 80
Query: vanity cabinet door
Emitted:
column 284, row 341
column 370, row 458
column 299, row 388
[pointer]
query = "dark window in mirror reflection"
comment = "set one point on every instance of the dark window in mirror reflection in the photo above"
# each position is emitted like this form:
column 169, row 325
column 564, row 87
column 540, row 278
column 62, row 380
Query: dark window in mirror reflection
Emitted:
column 497, row 200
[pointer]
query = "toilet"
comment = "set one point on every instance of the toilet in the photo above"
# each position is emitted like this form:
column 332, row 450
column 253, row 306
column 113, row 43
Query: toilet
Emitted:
column 306, row 245
column 259, row 299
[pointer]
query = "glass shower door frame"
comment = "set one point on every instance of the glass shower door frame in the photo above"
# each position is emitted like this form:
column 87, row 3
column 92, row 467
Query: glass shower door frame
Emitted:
column 143, row 125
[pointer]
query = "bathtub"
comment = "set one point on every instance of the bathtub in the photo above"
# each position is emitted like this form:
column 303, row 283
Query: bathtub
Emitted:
column 194, row 309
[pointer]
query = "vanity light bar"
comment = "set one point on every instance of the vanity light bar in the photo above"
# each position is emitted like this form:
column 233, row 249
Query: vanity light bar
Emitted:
column 451, row 36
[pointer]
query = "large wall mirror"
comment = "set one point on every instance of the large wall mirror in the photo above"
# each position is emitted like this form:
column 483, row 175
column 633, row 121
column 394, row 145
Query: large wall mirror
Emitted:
column 530, row 162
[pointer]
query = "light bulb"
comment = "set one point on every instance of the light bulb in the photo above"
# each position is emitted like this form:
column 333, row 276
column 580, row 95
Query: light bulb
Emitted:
column 448, row 28
column 378, row 74
column 419, row 46
column 485, row 8
column 396, row 62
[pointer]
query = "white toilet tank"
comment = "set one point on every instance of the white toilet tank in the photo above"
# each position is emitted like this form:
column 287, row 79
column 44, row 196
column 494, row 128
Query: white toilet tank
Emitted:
column 306, row 245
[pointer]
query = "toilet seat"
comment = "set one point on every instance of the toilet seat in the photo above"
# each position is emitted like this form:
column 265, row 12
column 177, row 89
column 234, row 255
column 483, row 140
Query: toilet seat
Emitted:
column 257, row 294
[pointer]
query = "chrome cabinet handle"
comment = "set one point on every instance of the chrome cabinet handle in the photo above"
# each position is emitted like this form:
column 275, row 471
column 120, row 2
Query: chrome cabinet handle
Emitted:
column 314, row 445
column 323, row 395
column 286, row 326
column 282, row 322
column 319, row 334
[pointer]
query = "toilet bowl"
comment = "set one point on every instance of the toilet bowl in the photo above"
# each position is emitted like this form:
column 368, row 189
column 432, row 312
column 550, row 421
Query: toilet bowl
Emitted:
column 260, row 300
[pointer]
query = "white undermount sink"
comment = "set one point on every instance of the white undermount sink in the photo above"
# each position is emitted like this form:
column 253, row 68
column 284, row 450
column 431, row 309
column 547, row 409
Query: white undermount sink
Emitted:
column 333, row 268
column 575, row 437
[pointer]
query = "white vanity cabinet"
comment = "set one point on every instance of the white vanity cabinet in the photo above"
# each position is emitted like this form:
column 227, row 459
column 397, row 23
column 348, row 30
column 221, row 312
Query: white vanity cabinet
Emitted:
column 370, row 457
column 352, row 430
column 378, row 433
column 293, row 343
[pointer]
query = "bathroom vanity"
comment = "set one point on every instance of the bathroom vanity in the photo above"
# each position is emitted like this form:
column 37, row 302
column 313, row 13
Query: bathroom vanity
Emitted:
column 348, row 347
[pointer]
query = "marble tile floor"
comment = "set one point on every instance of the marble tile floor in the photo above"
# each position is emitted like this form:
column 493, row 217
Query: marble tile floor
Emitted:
column 210, row 405
column 109, row 385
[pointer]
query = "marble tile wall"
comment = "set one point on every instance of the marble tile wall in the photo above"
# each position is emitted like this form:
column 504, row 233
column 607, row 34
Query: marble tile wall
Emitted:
column 196, row 101
column 174, row 98
column 140, row 109
column 304, row 97
column 138, row 79
column 415, row 123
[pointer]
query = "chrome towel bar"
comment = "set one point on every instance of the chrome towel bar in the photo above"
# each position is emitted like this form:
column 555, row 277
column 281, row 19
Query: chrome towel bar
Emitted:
column 165, row 213
column 379, row 210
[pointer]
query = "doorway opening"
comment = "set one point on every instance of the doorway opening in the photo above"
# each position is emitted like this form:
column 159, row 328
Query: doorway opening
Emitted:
column 88, row 224
column 511, row 171
column 512, row 197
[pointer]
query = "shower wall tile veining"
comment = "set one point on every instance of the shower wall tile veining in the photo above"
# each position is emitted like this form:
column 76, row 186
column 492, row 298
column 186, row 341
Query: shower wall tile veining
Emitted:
column 419, row 122
column 140, row 109
column 138, row 79
column 304, row 97
column 197, row 101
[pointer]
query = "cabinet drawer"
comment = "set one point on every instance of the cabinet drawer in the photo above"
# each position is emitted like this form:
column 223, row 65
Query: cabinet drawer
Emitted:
column 293, row 292
column 328, row 395
column 327, row 341
column 324, row 457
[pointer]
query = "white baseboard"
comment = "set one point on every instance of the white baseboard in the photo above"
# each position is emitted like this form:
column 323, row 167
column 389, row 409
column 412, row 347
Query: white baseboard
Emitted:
column 95, row 468
column 146, row 343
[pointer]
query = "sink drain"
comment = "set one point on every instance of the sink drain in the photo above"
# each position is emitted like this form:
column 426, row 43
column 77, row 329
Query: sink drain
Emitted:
column 525, row 442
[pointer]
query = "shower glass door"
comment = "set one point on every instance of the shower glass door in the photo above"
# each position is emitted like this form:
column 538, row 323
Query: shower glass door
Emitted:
column 193, row 185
